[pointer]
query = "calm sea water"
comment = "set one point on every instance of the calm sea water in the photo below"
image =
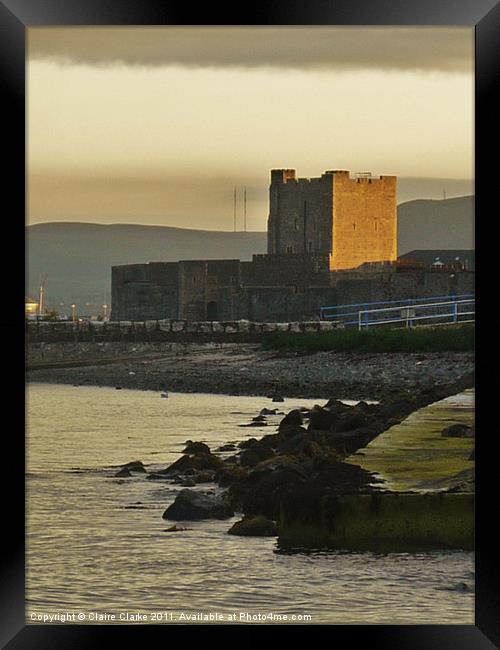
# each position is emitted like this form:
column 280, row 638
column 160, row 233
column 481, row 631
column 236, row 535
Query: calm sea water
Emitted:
column 97, row 546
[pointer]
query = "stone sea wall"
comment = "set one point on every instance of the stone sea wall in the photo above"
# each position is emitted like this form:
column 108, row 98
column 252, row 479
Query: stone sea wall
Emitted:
column 378, row 522
column 242, row 331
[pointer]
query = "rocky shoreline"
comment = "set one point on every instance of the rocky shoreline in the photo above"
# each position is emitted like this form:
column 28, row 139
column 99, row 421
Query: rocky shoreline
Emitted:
column 245, row 369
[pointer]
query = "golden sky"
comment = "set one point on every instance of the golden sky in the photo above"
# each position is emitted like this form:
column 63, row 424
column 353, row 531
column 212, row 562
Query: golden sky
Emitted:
column 157, row 125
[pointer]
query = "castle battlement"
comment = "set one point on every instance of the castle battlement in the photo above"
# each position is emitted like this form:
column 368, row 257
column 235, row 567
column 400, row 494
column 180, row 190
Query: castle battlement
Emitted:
column 352, row 218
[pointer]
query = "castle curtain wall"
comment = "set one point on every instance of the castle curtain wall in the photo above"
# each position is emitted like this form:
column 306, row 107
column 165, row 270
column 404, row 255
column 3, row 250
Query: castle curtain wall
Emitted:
column 144, row 291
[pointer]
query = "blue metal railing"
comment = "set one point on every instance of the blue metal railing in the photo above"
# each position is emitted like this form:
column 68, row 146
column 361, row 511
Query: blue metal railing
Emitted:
column 436, row 313
column 359, row 314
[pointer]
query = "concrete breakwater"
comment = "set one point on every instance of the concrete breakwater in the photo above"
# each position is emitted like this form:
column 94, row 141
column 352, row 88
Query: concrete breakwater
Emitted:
column 237, row 331
column 378, row 522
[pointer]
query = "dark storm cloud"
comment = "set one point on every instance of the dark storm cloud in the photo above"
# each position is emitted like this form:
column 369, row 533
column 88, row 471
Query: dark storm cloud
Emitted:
column 420, row 48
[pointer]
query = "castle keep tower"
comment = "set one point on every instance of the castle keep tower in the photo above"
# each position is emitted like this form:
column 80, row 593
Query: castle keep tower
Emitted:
column 353, row 220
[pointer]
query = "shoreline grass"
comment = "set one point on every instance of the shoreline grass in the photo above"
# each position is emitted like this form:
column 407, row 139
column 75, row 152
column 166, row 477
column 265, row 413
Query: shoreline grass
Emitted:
column 453, row 338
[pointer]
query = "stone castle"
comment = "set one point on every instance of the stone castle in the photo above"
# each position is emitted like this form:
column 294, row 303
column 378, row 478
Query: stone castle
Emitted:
column 349, row 220
column 331, row 240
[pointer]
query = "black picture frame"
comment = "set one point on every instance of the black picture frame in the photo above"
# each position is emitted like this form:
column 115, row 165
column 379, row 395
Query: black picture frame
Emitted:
column 18, row 15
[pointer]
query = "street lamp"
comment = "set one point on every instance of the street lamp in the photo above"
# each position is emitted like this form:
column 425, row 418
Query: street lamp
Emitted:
column 104, row 312
column 73, row 312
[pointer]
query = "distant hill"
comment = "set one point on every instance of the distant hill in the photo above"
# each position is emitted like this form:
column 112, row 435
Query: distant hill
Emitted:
column 429, row 224
column 76, row 258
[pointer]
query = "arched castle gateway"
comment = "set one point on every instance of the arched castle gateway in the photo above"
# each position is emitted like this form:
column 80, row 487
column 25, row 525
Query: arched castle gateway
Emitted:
column 331, row 240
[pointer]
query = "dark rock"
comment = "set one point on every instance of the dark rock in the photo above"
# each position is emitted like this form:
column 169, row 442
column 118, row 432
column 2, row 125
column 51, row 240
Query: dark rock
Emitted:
column 428, row 394
column 249, row 457
column 206, row 476
column 229, row 475
column 399, row 408
column 303, row 446
column 246, row 444
column 272, row 440
column 368, row 409
column 175, row 529
column 123, row 472
column 196, row 462
column 458, row 431
column 188, row 482
column 259, row 418
column 191, row 505
column 279, row 461
column 285, row 434
column 292, row 443
column 293, row 419
column 228, row 447
column 254, row 424
column 278, row 398
column 390, row 422
column 265, row 411
column 321, row 419
column 196, row 448
column 155, row 476
column 350, row 421
column 255, row 454
column 254, row 527
column 336, row 406
column 135, row 466
column 206, row 461
column 259, row 492
column 347, row 442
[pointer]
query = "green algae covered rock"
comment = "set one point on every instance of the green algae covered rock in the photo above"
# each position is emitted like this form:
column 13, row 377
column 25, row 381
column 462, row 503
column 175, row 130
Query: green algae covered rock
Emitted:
column 254, row 527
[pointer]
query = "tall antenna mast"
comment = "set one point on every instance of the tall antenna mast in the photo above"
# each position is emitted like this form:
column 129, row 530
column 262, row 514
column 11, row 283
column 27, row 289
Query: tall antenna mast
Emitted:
column 234, row 211
column 245, row 210
column 41, row 296
column 40, row 300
